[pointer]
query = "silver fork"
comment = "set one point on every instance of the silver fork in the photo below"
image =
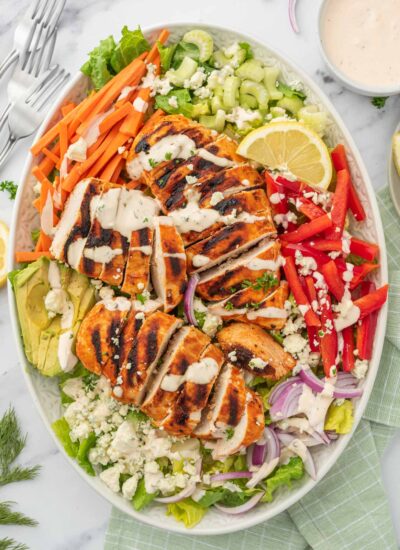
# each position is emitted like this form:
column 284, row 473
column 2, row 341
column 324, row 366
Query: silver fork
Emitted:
column 48, row 11
column 26, row 115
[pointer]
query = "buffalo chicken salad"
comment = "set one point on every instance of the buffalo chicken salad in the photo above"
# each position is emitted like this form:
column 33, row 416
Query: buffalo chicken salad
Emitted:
column 193, row 283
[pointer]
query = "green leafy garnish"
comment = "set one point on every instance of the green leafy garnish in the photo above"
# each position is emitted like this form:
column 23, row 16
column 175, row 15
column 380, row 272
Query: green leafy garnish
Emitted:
column 166, row 55
column 11, row 544
column 185, row 49
column 183, row 100
column 379, row 102
column 200, row 317
column 131, row 45
column 142, row 498
column 277, row 336
column 10, row 187
column 229, row 306
column 229, row 432
column 247, row 48
column 82, row 456
column 187, row 511
column 153, row 163
column 168, row 156
column 265, row 282
column 62, row 430
column 283, row 475
column 8, row 517
column 137, row 416
column 142, row 299
column 290, row 92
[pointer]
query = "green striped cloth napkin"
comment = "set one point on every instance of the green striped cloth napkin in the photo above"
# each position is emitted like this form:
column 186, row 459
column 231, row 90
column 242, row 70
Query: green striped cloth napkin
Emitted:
column 348, row 509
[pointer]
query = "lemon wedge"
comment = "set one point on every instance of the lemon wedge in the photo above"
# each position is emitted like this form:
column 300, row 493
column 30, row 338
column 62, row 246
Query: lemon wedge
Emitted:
column 396, row 151
column 3, row 253
column 290, row 147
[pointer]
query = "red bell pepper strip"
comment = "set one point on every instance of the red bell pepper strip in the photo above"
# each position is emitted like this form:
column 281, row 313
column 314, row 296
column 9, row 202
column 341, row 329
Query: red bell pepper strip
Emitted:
column 312, row 296
column 307, row 230
column 341, row 265
column 295, row 187
column 308, row 208
column 333, row 279
column 339, row 160
column 360, row 272
column 304, row 305
column 366, row 327
column 348, row 359
column 306, row 250
column 339, row 205
column 368, row 251
column 328, row 337
column 329, row 245
column 280, row 207
column 372, row 302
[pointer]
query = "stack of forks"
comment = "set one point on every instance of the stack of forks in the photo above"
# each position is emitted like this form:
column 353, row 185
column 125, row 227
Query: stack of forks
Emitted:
column 34, row 80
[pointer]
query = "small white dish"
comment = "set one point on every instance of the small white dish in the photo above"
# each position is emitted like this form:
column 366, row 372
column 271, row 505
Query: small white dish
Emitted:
column 353, row 85
column 394, row 178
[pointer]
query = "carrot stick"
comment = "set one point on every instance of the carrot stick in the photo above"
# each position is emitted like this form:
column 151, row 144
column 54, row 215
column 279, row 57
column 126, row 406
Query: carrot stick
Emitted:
column 114, row 117
column 43, row 243
column 36, row 203
column 134, row 121
column 46, row 165
column 63, row 139
column 162, row 37
column 54, row 158
column 36, row 171
column 111, row 167
column 118, row 169
column 118, row 141
column 25, row 256
column 65, row 109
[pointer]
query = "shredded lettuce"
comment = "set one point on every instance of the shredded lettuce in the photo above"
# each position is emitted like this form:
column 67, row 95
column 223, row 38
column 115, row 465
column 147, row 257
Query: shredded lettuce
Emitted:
column 142, row 498
column 339, row 418
column 166, row 55
column 61, row 429
column 131, row 45
column 82, row 456
column 187, row 511
column 283, row 475
column 183, row 99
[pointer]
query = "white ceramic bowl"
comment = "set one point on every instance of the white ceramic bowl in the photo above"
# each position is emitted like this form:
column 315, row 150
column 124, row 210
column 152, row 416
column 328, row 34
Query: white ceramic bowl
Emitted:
column 45, row 391
column 353, row 85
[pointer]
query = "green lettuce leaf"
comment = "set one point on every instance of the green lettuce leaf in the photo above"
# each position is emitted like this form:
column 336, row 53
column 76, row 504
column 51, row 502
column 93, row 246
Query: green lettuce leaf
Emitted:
column 290, row 92
column 339, row 418
column 82, row 456
column 185, row 49
column 142, row 498
column 62, row 430
column 166, row 55
column 187, row 511
column 98, row 67
column 183, row 99
column 283, row 476
column 247, row 48
column 131, row 45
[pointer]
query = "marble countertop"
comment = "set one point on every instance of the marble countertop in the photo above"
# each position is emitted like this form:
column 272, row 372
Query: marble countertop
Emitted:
column 70, row 514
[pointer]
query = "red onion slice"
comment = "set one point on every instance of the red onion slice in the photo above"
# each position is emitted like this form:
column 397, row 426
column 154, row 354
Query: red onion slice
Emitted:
column 267, row 468
column 287, row 404
column 185, row 493
column 292, row 16
column 317, row 385
column 259, row 453
column 243, row 507
column 272, row 442
column 303, row 453
column 278, row 389
column 189, row 297
column 230, row 475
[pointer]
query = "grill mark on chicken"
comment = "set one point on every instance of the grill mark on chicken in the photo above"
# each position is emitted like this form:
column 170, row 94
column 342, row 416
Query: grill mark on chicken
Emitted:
column 96, row 341
column 222, row 235
column 113, row 332
column 244, row 356
column 151, row 347
column 144, row 236
column 176, row 266
column 234, row 410
column 133, row 362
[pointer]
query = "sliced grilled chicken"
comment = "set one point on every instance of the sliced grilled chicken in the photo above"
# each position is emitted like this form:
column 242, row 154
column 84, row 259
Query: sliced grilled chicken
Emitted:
column 137, row 272
column 168, row 264
column 184, row 349
column 214, row 157
column 163, row 144
column 227, row 278
column 74, row 226
column 97, row 340
column 253, row 202
column 252, row 348
column 199, row 381
column 261, row 307
column 248, row 431
column 226, row 406
column 147, row 349
column 228, row 242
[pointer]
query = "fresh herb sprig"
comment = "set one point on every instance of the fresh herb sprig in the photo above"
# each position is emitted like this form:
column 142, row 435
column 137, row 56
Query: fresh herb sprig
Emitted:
column 10, row 517
column 265, row 282
column 10, row 187
column 11, row 544
column 378, row 102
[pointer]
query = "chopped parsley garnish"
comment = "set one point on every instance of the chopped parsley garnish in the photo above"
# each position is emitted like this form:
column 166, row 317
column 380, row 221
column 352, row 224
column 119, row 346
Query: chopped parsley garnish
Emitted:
column 153, row 163
column 10, row 187
column 200, row 317
column 229, row 306
column 321, row 333
column 277, row 336
column 378, row 102
column 253, row 305
column 145, row 220
column 233, row 289
column 168, row 156
column 265, row 282
column 142, row 299
column 229, row 432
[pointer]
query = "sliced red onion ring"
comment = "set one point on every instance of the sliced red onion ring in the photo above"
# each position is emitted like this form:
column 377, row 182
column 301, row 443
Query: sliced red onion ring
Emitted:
column 267, row 468
column 185, row 493
column 278, row 389
column 287, row 403
column 230, row 475
column 273, row 445
column 303, row 453
column 259, row 453
column 332, row 435
column 317, row 385
column 189, row 297
column 292, row 16
column 243, row 507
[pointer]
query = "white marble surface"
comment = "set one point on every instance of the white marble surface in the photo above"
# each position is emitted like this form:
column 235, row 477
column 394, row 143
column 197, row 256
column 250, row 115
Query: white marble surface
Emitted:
column 70, row 514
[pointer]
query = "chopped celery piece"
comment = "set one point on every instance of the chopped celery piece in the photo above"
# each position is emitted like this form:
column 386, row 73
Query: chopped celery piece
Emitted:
column 251, row 70
column 292, row 104
column 248, row 101
column 235, row 54
column 313, row 118
column 185, row 70
column 257, row 91
column 219, row 91
column 277, row 112
column 220, row 59
column 270, row 80
column 231, row 92
column 203, row 41
column 215, row 122
column 201, row 108
column 216, row 104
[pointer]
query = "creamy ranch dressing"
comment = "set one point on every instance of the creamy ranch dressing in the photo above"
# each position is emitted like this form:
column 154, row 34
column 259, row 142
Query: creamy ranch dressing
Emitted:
column 201, row 372
column 362, row 39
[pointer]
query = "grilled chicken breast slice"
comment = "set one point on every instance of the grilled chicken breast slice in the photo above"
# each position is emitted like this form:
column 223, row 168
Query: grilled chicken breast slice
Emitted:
column 168, row 264
column 97, row 340
column 226, row 406
column 214, row 157
column 261, row 307
column 200, row 379
column 163, row 144
column 255, row 350
column 227, row 278
column 253, row 202
column 75, row 223
column 147, row 349
column 137, row 271
column 248, row 431
column 184, row 349
column 228, row 242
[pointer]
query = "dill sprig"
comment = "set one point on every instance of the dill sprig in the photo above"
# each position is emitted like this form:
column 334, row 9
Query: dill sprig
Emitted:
column 10, row 187
column 11, row 544
column 10, row 517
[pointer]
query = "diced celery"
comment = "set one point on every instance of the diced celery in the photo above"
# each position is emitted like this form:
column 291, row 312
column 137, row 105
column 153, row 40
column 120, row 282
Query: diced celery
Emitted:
column 313, row 118
column 251, row 70
column 216, row 104
column 270, row 79
column 203, row 41
column 201, row 107
column 292, row 104
column 220, row 59
column 219, row 91
column 185, row 70
column 248, row 101
column 257, row 91
column 215, row 122
column 231, row 92
column 277, row 112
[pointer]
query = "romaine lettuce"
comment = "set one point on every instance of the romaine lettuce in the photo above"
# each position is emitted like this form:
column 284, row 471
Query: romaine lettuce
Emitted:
column 283, row 476
column 142, row 498
column 82, row 456
column 183, row 99
column 187, row 511
column 61, row 429
column 166, row 55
